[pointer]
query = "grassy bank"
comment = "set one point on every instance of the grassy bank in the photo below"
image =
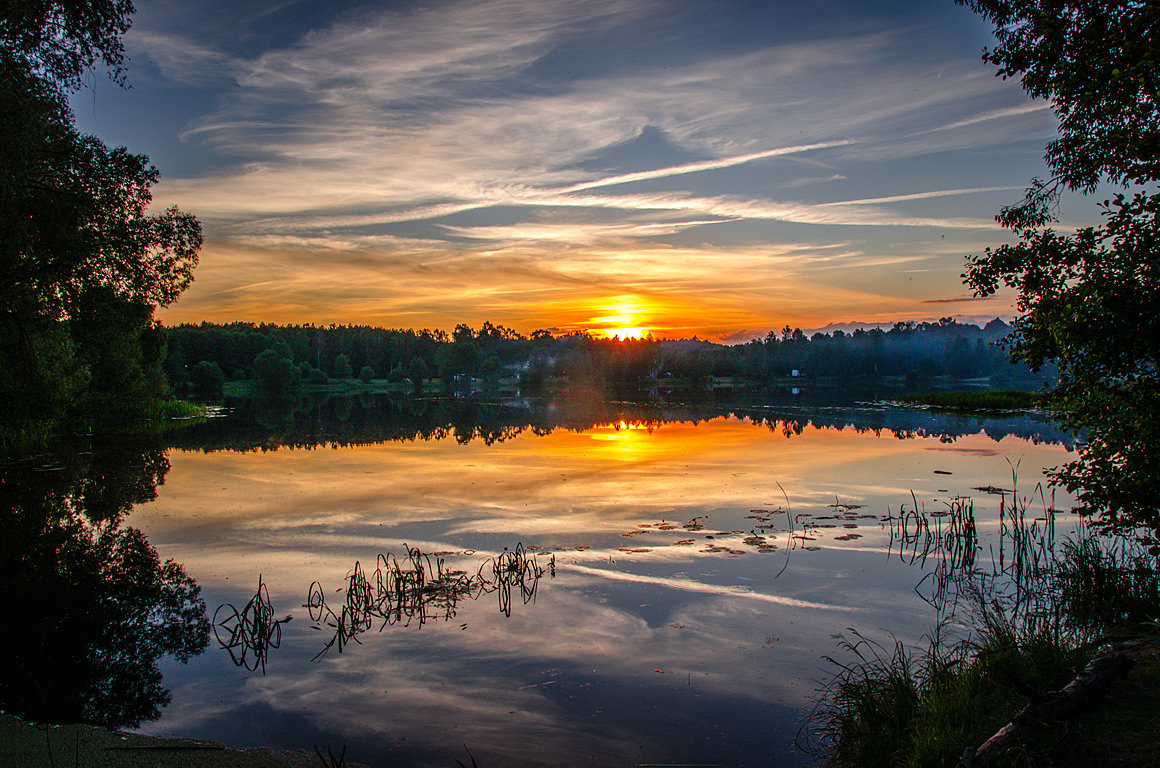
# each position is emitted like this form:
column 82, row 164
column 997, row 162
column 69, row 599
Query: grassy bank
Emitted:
column 980, row 400
column 142, row 417
column 30, row 745
column 1034, row 625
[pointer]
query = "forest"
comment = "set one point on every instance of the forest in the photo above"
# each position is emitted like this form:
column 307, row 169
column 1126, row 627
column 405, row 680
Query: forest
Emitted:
column 201, row 358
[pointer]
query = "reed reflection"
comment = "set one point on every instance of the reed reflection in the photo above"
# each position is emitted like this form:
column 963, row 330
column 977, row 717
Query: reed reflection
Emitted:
column 418, row 589
column 91, row 609
column 1013, row 573
column 249, row 634
column 413, row 590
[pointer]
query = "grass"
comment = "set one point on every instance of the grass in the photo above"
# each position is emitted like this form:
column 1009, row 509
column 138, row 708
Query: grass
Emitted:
column 981, row 400
column 32, row 745
column 917, row 708
column 1121, row 731
column 1036, row 619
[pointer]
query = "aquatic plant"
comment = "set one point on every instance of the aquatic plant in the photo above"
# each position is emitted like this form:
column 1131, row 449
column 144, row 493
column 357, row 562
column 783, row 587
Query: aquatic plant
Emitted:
column 250, row 634
column 1034, row 610
column 420, row 588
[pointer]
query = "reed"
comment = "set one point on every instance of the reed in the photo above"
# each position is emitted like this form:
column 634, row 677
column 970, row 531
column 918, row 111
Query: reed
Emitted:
column 1034, row 609
column 250, row 634
column 978, row 400
column 419, row 588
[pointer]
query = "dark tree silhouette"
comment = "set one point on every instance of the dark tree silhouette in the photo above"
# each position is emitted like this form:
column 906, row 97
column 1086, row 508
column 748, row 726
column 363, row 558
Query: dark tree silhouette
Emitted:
column 1090, row 301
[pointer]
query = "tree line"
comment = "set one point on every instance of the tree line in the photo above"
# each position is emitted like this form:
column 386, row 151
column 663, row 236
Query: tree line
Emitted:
column 278, row 357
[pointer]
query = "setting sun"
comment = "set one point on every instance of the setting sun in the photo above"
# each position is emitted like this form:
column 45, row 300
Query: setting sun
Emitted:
column 625, row 333
column 624, row 314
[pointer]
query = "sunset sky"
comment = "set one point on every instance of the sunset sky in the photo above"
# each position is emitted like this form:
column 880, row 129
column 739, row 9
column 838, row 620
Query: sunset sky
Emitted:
column 709, row 168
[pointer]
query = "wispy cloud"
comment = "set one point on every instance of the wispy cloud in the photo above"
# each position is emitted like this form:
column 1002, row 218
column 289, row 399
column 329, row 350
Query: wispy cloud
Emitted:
column 965, row 299
column 922, row 195
column 402, row 141
column 705, row 165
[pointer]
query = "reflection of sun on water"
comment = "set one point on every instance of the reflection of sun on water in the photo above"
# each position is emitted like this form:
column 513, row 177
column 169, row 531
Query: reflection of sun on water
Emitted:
column 622, row 441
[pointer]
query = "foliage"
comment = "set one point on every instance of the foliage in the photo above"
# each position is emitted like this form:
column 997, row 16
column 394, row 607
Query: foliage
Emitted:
column 1098, row 62
column 275, row 370
column 342, row 369
column 1089, row 300
column 82, row 261
column 917, row 352
column 60, row 39
column 207, row 378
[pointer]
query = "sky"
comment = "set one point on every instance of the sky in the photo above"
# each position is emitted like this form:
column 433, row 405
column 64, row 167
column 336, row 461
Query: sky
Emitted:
column 681, row 168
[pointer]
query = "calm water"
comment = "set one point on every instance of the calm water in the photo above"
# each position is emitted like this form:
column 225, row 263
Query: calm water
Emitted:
column 686, row 568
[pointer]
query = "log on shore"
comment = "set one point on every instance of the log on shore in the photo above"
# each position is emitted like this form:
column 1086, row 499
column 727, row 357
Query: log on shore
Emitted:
column 1065, row 703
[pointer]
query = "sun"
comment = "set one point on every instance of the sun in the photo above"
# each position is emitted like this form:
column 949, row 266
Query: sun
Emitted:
column 622, row 319
column 625, row 333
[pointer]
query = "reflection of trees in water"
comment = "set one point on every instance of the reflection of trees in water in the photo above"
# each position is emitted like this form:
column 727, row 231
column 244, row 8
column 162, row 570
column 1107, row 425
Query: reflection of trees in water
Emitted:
column 306, row 421
column 91, row 608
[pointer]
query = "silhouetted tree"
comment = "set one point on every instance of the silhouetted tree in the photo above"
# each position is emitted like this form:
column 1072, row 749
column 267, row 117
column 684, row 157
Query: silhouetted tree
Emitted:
column 342, row 369
column 1090, row 301
column 77, row 246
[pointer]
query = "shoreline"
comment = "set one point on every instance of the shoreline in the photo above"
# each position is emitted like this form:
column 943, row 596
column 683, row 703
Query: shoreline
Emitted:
column 35, row 745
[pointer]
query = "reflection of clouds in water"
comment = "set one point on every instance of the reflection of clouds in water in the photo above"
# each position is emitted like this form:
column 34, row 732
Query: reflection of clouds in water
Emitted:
column 552, row 485
column 503, row 685
column 440, row 703
column 609, row 619
column 689, row 585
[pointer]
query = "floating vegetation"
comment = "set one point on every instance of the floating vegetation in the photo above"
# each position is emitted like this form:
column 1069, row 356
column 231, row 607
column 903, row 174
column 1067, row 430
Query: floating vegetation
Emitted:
column 250, row 634
column 984, row 400
column 717, row 549
column 417, row 589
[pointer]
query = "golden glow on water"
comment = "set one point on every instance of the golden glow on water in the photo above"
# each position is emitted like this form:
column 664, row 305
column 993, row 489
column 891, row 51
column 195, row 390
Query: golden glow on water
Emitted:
column 653, row 588
column 561, row 489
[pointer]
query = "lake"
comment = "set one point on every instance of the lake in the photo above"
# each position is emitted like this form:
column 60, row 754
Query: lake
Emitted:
column 567, row 582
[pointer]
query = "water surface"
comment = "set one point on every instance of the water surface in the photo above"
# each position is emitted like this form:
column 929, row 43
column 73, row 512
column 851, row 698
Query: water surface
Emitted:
column 688, row 568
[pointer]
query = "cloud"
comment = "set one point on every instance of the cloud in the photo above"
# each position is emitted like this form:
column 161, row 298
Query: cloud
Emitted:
column 689, row 585
column 923, row 195
column 959, row 300
column 997, row 114
column 704, row 165
column 446, row 143
column 182, row 60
